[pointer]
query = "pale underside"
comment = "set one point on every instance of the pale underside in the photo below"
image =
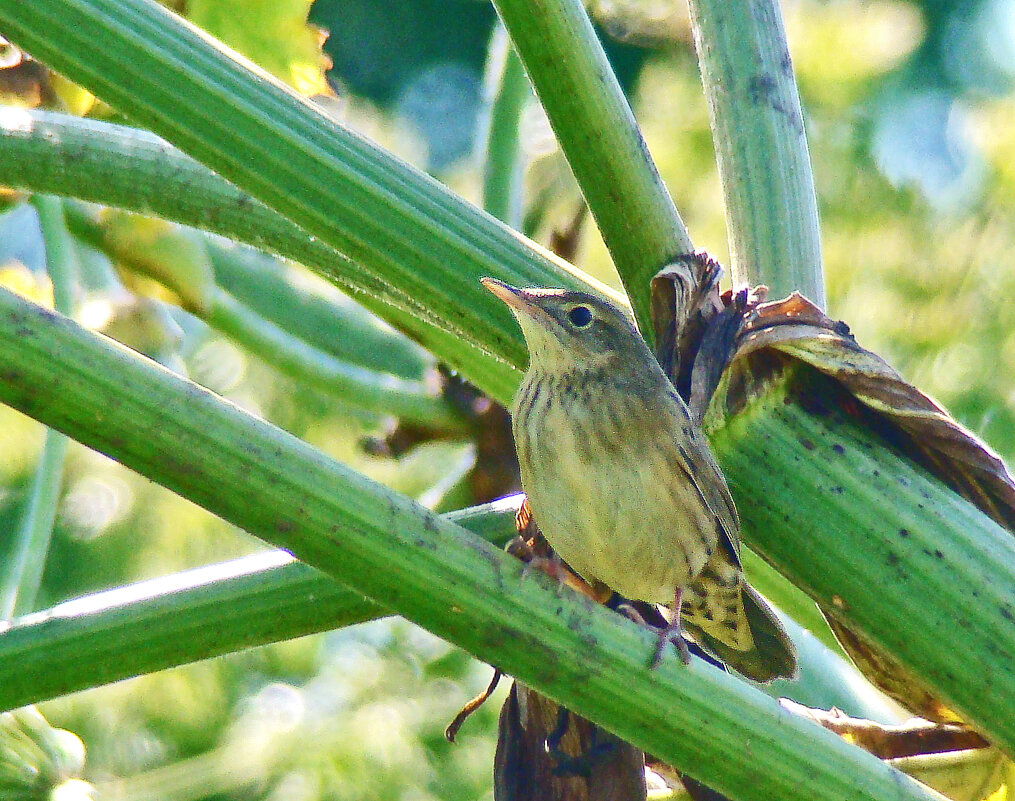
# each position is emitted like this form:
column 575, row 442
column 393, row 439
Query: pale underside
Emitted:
column 596, row 493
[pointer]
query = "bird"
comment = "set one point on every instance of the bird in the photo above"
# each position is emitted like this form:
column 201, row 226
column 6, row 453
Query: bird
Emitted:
column 622, row 483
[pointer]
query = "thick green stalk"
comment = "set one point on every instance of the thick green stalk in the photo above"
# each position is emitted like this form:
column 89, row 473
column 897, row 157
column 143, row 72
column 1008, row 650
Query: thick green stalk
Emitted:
column 503, row 167
column 422, row 248
column 921, row 572
column 179, row 259
column 319, row 315
column 219, row 609
column 27, row 561
column 365, row 389
column 761, row 146
column 86, row 159
column 193, row 615
column 601, row 140
column 276, row 289
column 423, row 567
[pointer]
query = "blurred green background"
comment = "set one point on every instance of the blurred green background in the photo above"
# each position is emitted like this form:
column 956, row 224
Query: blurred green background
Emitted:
column 911, row 125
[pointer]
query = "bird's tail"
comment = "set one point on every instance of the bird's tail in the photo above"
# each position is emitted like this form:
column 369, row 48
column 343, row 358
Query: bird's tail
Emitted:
column 773, row 655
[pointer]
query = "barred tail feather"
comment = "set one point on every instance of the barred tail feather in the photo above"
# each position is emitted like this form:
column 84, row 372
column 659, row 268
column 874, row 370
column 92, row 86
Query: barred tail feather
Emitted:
column 773, row 655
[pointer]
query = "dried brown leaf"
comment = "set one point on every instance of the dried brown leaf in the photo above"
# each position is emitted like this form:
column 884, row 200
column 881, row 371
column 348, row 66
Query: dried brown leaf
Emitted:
column 951, row 759
column 926, row 432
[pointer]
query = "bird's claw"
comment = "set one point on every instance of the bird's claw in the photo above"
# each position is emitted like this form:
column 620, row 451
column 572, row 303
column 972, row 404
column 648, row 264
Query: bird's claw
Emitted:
column 627, row 610
column 667, row 636
column 550, row 565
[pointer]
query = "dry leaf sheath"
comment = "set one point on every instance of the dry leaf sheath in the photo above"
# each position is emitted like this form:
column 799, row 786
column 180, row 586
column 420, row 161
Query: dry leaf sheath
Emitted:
column 621, row 480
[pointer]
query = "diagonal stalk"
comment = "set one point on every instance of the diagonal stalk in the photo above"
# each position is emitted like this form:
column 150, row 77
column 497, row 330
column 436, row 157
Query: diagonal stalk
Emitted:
column 193, row 615
column 416, row 244
column 58, row 154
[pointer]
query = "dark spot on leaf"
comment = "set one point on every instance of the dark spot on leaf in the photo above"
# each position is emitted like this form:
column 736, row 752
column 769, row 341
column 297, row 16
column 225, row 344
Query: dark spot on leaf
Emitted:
column 838, row 449
column 903, row 532
column 1006, row 612
column 761, row 87
column 840, row 328
column 893, row 558
column 836, row 490
column 807, row 444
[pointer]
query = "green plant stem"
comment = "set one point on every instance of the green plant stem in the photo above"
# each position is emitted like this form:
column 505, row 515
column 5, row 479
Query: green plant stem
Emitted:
column 61, row 254
column 416, row 244
column 87, row 159
column 320, row 315
column 27, row 561
column 193, row 615
column 264, row 598
column 31, row 539
column 884, row 547
column 423, row 567
column 601, row 140
column 180, row 260
column 365, row 389
column 311, row 310
column 503, row 167
column 761, row 146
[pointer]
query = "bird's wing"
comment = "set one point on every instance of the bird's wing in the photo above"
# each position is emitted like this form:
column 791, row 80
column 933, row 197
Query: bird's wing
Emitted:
column 719, row 500
column 701, row 469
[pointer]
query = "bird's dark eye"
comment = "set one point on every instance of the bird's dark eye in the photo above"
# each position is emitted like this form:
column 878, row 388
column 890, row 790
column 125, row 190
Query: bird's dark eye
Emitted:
column 580, row 316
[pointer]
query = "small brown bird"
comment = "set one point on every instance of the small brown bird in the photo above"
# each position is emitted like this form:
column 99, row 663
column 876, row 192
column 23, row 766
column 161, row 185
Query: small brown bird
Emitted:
column 622, row 482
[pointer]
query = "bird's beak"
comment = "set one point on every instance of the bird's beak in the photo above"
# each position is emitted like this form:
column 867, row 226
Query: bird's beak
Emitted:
column 522, row 303
column 507, row 293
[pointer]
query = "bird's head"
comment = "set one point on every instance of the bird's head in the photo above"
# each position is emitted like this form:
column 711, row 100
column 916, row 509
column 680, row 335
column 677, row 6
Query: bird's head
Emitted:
column 565, row 329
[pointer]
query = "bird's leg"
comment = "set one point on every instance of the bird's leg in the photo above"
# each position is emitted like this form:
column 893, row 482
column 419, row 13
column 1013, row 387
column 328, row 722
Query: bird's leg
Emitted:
column 627, row 610
column 552, row 565
column 533, row 560
column 672, row 633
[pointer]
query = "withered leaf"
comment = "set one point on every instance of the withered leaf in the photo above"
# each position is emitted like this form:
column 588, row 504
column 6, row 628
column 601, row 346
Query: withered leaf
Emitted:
column 797, row 328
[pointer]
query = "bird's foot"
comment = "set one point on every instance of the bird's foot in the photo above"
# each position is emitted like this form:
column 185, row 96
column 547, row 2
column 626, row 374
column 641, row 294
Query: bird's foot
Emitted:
column 672, row 633
column 627, row 609
column 551, row 565
column 666, row 636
